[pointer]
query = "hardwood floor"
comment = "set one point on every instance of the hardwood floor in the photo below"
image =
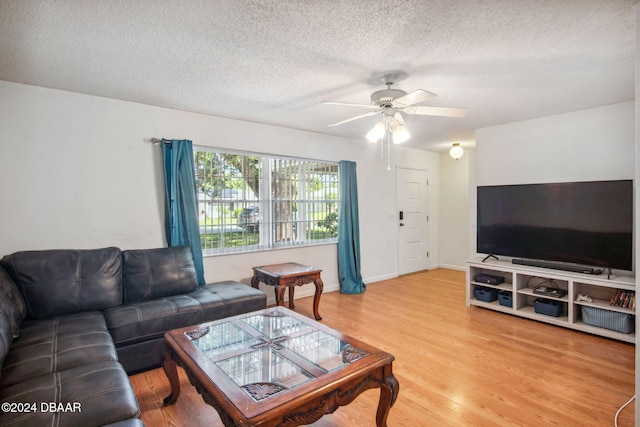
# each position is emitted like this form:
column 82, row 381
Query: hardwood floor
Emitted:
column 456, row 366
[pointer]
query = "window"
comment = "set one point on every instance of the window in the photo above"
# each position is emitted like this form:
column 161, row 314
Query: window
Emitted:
column 250, row 202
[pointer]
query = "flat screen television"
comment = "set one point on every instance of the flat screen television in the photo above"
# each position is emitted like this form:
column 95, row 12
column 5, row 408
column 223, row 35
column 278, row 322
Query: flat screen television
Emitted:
column 585, row 223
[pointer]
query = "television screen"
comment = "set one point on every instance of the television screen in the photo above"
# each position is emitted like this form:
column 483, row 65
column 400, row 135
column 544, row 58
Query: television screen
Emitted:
column 586, row 223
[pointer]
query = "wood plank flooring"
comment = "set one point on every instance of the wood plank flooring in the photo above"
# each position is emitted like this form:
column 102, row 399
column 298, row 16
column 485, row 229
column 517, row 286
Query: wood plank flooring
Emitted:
column 456, row 366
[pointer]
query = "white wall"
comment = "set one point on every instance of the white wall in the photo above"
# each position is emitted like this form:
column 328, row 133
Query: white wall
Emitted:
column 76, row 172
column 593, row 144
column 455, row 176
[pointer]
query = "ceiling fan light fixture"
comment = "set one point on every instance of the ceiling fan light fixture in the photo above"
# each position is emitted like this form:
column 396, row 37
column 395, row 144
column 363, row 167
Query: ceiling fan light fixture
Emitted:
column 400, row 134
column 377, row 132
column 456, row 151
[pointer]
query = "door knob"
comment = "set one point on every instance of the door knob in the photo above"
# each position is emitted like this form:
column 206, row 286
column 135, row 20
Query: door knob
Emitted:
column 401, row 225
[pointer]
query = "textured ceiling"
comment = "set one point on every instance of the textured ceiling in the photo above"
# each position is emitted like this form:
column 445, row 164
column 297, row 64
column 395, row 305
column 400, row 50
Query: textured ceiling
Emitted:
column 275, row 61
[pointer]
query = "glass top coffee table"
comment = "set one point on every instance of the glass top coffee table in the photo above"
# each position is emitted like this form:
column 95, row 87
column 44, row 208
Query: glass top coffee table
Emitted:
column 276, row 367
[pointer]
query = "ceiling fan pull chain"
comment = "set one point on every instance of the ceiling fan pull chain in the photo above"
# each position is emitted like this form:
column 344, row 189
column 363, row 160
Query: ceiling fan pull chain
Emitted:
column 388, row 151
column 382, row 144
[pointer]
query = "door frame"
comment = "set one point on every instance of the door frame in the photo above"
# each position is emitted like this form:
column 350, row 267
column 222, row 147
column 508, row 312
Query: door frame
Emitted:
column 427, row 207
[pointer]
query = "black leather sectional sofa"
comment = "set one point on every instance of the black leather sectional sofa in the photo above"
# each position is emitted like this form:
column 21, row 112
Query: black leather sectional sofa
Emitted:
column 73, row 323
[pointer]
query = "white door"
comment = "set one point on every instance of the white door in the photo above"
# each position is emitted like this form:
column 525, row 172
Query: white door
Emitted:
column 412, row 218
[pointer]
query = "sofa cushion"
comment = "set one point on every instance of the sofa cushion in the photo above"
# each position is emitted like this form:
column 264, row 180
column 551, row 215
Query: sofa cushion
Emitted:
column 11, row 302
column 147, row 320
column 55, row 282
column 156, row 273
column 50, row 345
column 92, row 395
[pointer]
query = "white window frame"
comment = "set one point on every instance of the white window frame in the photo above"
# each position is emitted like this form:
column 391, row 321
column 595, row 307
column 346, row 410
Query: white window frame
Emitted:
column 266, row 202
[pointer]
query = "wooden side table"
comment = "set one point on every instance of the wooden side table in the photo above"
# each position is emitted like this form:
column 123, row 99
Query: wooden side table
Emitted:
column 289, row 275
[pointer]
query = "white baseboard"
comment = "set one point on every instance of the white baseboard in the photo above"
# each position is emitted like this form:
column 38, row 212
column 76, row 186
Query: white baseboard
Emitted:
column 380, row 278
column 309, row 289
column 303, row 291
column 452, row 267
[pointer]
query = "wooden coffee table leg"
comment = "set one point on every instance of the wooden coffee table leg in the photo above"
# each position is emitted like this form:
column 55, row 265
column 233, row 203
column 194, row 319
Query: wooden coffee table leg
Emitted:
column 291, row 292
column 388, row 394
column 170, row 369
column 280, row 294
column 316, row 298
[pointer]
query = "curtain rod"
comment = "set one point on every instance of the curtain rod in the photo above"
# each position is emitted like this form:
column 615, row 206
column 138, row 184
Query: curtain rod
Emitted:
column 245, row 152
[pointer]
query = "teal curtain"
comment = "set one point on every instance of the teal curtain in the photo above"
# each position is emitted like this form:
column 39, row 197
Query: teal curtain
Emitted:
column 349, row 232
column 181, row 203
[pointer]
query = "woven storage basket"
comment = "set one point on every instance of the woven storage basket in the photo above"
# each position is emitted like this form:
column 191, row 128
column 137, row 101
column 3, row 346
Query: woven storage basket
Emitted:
column 613, row 320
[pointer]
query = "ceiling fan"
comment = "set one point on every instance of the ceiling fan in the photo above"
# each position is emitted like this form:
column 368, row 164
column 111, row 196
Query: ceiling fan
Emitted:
column 390, row 103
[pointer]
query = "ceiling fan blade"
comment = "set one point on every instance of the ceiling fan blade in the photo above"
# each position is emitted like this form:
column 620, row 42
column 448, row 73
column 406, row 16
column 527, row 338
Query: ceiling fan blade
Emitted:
column 436, row 111
column 415, row 97
column 348, row 104
column 361, row 116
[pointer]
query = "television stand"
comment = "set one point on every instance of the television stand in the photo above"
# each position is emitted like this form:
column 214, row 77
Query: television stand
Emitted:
column 557, row 266
column 516, row 295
